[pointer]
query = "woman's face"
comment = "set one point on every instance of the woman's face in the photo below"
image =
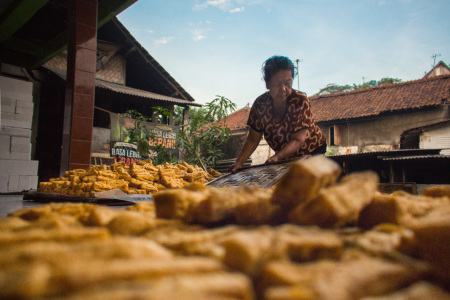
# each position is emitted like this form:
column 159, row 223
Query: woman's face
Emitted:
column 280, row 85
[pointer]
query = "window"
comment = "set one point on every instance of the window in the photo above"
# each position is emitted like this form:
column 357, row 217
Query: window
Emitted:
column 335, row 136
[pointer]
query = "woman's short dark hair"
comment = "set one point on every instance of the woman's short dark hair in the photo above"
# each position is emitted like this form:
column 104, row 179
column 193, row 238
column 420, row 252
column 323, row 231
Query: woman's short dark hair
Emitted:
column 275, row 64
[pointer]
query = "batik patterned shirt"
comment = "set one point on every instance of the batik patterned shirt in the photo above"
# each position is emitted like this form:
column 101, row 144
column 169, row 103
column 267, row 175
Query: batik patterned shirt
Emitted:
column 298, row 116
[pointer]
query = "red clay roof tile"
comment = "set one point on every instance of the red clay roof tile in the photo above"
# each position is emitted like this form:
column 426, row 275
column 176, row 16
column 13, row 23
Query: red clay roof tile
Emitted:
column 238, row 119
column 426, row 92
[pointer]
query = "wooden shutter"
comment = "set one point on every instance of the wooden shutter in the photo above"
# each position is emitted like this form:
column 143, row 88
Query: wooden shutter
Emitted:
column 337, row 135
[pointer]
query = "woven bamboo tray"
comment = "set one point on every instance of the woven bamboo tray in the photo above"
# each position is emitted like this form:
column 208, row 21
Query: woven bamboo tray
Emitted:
column 264, row 175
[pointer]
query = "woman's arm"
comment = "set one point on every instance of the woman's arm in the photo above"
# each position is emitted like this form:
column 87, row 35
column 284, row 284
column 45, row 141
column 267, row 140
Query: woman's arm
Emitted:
column 253, row 139
column 298, row 139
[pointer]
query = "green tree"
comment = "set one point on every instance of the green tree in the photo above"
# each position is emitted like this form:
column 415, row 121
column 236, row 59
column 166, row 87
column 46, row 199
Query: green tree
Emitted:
column 218, row 108
column 140, row 135
column 333, row 88
column 365, row 85
column 178, row 115
column 387, row 80
column 200, row 140
column 162, row 114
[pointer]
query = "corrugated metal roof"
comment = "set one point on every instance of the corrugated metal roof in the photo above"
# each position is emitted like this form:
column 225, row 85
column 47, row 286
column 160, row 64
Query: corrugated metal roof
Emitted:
column 391, row 153
column 417, row 157
column 118, row 88
column 140, row 93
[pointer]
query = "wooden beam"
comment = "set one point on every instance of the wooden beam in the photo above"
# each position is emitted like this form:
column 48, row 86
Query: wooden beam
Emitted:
column 109, row 9
column 23, row 46
column 51, row 49
column 14, row 58
column 16, row 15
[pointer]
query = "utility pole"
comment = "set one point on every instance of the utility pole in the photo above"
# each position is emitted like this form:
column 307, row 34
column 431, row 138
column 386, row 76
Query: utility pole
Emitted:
column 434, row 56
column 298, row 76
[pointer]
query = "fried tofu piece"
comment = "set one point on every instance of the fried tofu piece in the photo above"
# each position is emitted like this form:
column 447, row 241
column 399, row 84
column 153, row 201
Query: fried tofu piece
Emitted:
column 101, row 186
column 302, row 244
column 143, row 207
column 56, row 221
column 191, row 177
column 221, row 203
column 345, row 280
column 259, row 209
column 63, row 234
column 194, row 240
column 177, row 203
column 148, row 187
column 246, row 252
column 432, row 238
column 259, row 212
column 437, row 191
column 220, row 286
column 99, row 216
column 398, row 208
column 189, row 167
column 384, row 240
column 54, row 253
column 214, row 173
column 171, row 182
column 130, row 223
column 339, row 204
column 13, row 223
column 304, row 179
column 44, row 280
column 418, row 291
column 77, row 210
column 32, row 213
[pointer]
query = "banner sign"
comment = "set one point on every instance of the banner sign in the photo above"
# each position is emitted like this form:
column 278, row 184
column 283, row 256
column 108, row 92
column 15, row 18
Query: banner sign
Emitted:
column 165, row 135
column 125, row 152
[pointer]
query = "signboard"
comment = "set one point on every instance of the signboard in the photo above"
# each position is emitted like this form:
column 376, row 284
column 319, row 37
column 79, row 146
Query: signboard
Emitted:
column 125, row 152
column 164, row 134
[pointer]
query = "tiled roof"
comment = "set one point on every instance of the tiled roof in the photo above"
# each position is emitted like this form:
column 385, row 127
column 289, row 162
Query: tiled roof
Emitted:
column 417, row 94
column 238, row 119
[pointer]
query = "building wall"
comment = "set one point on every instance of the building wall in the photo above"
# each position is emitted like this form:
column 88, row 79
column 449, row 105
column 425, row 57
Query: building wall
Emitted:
column 17, row 171
column 100, row 137
column 262, row 153
column 441, row 70
column 436, row 138
column 380, row 133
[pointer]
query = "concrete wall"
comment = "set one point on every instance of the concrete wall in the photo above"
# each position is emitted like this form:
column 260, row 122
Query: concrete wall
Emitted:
column 381, row 133
column 17, row 171
column 100, row 137
column 262, row 153
column 234, row 145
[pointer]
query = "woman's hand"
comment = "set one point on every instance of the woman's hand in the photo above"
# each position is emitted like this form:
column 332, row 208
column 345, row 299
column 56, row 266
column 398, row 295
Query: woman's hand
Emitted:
column 237, row 165
column 272, row 159
column 250, row 145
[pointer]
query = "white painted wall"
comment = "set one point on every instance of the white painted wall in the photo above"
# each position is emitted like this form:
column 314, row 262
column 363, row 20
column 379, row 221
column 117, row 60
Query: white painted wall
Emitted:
column 262, row 153
column 17, row 171
column 436, row 138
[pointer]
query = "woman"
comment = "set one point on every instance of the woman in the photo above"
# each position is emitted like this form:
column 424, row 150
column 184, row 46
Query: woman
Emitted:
column 283, row 115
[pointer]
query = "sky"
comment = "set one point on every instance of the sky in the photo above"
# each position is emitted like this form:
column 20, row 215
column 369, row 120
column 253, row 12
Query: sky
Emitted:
column 217, row 47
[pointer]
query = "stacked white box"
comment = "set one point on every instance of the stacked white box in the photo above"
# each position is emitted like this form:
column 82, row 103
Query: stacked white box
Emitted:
column 18, row 171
